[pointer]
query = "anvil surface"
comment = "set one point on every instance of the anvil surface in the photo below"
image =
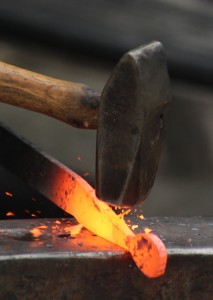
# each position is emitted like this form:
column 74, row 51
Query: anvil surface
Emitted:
column 58, row 266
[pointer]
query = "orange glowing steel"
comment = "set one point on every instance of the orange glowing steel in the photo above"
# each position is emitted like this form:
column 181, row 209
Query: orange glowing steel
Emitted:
column 74, row 195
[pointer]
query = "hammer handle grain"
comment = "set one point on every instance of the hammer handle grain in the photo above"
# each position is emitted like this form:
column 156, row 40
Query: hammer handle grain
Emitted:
column 73, row 103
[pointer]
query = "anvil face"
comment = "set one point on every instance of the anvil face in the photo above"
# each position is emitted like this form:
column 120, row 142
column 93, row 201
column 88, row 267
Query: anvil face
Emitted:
column 62, row 266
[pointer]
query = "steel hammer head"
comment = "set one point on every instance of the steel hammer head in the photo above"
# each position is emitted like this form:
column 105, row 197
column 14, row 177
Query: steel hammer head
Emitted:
column 131, row 123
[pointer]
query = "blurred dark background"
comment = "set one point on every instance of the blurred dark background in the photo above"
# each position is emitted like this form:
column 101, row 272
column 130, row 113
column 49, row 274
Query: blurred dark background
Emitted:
column 81, row 41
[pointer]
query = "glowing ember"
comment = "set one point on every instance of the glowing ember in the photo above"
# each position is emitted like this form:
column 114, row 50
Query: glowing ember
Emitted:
column 147, row 230
column 86, row 174
column 74, row 195
column 10, row 214
column 141, row 217
column 124, row 213
column 134, row 227
column 9, row 194
column 74, row 230
column 36, row 232
column 42, row 227
column 57, row 222
column 33, row 215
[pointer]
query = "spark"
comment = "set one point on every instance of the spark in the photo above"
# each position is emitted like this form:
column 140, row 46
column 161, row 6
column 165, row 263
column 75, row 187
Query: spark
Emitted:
column 141, row 217
column 85, row 174
column 124, row 213
column 147, row 230
column 36, row 232
column 10, row 214
column 9, row 194
column 134, row 227
column 74, row 230
column 42, row 226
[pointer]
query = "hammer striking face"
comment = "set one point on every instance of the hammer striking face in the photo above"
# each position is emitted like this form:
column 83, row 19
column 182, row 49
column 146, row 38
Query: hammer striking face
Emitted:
column 131, row 125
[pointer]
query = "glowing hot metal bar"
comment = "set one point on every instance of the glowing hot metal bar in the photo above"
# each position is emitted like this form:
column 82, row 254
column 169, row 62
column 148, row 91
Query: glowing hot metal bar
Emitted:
column 77, row 197
column 71, row 193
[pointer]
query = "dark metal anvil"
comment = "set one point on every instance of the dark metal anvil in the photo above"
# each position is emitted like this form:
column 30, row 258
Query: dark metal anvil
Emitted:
column 56, row 265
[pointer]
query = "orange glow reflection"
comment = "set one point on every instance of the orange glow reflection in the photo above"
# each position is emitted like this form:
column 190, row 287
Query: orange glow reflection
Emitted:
column 36, row 232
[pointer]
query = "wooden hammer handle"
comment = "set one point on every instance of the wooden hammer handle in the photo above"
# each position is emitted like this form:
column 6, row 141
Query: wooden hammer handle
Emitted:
column 72, row 103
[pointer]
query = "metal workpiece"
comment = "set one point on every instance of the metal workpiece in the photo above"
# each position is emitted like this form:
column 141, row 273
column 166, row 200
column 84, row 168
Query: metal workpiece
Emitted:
column 57, row 265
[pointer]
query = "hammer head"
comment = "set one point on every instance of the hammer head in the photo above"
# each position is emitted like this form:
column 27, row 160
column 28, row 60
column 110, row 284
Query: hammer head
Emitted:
column 131, row 125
